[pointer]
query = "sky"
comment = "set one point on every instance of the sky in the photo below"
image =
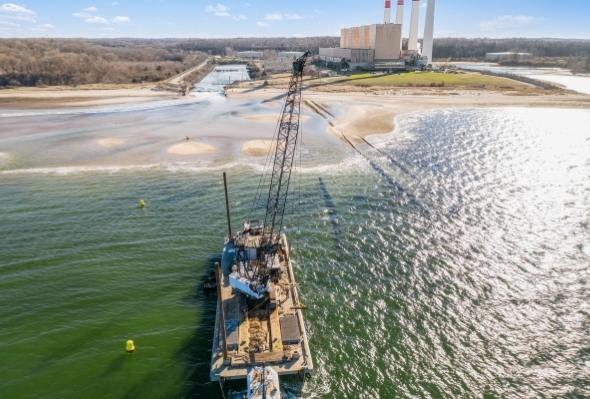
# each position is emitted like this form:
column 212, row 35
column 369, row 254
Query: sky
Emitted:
column 256, row 18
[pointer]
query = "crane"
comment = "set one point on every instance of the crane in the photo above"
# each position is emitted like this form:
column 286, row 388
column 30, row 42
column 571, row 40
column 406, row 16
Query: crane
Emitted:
column 284, row 154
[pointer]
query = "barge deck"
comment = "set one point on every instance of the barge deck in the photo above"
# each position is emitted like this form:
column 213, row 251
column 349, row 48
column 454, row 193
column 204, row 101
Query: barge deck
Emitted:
column 268, row 333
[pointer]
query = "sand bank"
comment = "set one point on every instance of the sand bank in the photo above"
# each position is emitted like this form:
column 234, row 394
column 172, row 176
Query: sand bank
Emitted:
column 268, row 118
column 373, row 113
column 4, row 158
column 191, row 148
column 257, row 148
column 110, row 142
column 85, row 96
column 362, row 121
column 409, row 100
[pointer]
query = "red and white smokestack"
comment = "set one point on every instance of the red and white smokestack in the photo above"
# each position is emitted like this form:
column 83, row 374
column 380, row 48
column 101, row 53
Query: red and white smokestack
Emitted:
column 387, row 11
column 399, row 16
column 413, row 39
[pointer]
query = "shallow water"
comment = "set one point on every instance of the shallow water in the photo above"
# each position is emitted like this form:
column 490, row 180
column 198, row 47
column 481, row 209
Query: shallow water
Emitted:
column 222, row 75
column 469, row 278
column 562, row 77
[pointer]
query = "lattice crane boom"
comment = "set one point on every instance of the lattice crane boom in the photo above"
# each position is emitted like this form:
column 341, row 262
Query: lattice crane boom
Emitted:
column 287, row 140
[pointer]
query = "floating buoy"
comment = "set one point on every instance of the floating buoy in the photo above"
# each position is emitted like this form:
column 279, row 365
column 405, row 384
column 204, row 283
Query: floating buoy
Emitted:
column 129, row 346
column 142, row 204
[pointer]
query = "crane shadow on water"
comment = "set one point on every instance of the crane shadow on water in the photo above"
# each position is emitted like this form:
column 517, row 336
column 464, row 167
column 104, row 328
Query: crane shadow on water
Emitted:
column 388, row 179
column 332, row 213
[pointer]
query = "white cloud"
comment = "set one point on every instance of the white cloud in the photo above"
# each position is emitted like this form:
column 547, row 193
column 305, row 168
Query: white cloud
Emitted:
column 279, row 17
column 91, row 9
column 82, row 15
column 218, row 9
column 9, row 24
column 273, row 17
column 221, row 10
column 507, row 22
column 15, row 9
column 293, row 17
column 115, row 3
column 42, row 28
column 261, row 24
column 95, row 19
column 121, row 19
column 15, row 12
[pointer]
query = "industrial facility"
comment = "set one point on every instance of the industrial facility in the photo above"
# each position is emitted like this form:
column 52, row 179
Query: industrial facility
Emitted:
column 379, row 46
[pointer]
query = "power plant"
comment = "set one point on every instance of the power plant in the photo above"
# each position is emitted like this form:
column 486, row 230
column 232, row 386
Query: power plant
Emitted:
column 379, row 46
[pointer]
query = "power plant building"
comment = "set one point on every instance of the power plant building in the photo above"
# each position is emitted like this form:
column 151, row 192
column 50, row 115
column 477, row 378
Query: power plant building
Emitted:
column 379, row 46
column 364, row 46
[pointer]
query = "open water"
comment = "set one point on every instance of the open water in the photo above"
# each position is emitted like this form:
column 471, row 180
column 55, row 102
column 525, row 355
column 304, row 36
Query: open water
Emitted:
column 467, row 277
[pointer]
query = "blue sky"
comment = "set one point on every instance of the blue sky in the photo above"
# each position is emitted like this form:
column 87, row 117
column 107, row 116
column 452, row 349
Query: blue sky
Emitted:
column 245, row 18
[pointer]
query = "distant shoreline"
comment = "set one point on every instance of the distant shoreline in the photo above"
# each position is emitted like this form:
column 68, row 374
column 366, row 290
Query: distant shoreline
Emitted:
column 367, row 114
column 83, row 96
column 61, row 97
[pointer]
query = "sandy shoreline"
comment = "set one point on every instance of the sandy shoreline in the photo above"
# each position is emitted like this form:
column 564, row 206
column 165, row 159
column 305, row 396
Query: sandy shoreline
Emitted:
column 359, row 114
column 60, row 97
column 374, row 113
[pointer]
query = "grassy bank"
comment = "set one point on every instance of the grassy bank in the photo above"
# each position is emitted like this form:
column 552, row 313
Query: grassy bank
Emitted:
column 432, row 79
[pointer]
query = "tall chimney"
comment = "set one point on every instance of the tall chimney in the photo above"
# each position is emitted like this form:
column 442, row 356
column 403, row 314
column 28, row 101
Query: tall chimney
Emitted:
column 399, row 17
column 387, row 11
column 429, row 31
column 413, row 39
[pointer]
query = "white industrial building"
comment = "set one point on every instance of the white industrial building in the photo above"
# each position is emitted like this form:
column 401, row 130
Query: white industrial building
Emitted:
column 379, row 46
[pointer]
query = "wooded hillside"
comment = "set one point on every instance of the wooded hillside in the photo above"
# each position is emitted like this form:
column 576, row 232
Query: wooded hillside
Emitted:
column 37, row 62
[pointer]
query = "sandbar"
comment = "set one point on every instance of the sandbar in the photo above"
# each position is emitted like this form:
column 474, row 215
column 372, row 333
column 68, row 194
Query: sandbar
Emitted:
column 4, row 158
column 191, row 148
column 110, row 142
column 257, row 148
column 363, row 121
column 274, row 118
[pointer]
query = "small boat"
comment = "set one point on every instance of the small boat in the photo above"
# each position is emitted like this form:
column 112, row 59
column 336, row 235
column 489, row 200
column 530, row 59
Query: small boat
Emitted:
column 263, row 383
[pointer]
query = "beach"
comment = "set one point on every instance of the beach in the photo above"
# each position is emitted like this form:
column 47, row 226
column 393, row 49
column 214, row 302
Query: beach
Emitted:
column 365, row 114
column 86, row 96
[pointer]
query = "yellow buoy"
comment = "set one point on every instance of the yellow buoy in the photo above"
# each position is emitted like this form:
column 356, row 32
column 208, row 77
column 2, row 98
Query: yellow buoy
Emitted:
column 130, row 346
column 142, row 204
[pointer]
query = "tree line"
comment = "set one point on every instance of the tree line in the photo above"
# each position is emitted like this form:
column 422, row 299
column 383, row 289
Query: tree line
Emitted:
column 38, row 62
column 566, row 53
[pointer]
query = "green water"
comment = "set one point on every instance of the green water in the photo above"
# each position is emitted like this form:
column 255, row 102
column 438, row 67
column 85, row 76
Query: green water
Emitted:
column 83, row 270
column 471, row 280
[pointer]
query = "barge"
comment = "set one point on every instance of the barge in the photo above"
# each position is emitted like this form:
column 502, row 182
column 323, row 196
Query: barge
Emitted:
column 260, row 331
